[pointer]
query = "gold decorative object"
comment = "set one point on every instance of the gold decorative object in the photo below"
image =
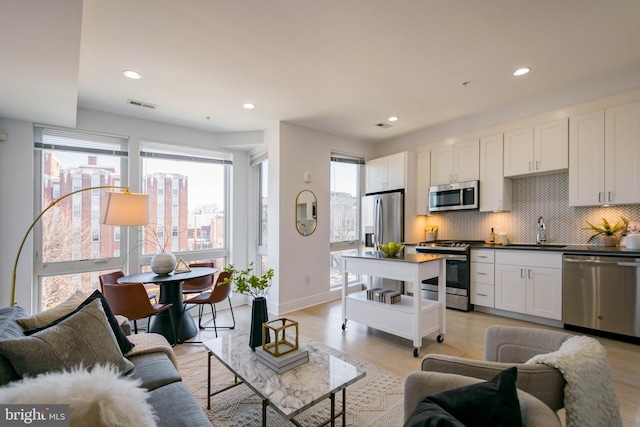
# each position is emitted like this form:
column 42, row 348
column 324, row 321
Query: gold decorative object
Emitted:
column 279, row 343
column 181, row 267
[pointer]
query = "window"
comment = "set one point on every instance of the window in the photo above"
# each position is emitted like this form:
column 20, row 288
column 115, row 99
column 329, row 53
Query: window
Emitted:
column 188, row 190
column 72, row 243
column 346, row 181
column 258, row 160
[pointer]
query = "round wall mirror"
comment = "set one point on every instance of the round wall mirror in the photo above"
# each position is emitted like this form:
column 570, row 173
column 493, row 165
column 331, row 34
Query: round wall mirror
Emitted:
column 306, row 212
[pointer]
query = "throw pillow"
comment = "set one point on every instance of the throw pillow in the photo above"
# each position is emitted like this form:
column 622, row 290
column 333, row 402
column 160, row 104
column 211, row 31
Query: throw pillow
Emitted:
column 83, row 339
column 123, row 342
column 101, row 397
column 492, row 403
column 48, row 316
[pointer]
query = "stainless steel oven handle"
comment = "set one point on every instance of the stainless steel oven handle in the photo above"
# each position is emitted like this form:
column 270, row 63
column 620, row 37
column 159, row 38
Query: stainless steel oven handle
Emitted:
column 602, row 262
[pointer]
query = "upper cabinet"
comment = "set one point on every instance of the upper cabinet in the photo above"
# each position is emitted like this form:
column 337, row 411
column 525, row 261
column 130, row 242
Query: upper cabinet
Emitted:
column 423, row 173
column 386, row 173
column 495, row 189
column 542, row 148
column 455, row 163
column 605, row 157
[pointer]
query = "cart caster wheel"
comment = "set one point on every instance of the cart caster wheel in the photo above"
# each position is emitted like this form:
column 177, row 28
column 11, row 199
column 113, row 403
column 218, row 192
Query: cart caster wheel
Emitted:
column 440, row 338
column 344, row 326
column 416, row 352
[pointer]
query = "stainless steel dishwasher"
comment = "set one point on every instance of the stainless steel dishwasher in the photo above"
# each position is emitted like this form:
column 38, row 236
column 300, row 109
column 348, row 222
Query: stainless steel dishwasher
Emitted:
column 602, row 293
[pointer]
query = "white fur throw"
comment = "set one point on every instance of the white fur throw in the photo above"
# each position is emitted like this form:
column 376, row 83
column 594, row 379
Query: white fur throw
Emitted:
column 101, row 397
column 589, row 398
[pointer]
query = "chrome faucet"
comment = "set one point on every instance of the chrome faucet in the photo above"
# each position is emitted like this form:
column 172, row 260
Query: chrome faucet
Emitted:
column 541, row 236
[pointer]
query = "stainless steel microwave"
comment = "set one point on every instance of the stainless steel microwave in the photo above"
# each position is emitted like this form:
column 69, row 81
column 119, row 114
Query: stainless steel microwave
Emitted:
column 454, row 197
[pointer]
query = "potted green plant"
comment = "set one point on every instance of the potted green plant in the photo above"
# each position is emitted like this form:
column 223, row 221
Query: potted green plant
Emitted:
column 609, row 231
column 257, row 286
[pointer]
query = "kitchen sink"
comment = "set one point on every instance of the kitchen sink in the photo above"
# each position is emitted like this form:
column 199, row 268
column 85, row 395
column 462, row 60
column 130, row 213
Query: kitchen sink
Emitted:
column 532, row 245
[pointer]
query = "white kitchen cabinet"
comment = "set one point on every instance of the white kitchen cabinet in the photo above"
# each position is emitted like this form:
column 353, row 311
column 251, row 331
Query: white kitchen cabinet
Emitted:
column 423, row 181
column 455, row 163
column 529, row 282
column 605, row 157
column 386, row 173
column 538, row 149
column 482, row 277
column 495, row 189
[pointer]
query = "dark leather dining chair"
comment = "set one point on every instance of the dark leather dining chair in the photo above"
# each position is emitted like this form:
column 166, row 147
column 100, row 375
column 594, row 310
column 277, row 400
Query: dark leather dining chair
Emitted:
column 217, row 294
column 130, row 300
column 200, row 284
column 113, row 277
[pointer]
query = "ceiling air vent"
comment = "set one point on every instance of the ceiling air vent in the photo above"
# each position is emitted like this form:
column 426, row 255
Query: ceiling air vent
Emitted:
column 384, row 125
column 142, row 104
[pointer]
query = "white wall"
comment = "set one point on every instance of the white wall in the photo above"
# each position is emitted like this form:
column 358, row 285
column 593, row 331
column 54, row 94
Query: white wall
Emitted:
column 301, row 150
column 16, row 208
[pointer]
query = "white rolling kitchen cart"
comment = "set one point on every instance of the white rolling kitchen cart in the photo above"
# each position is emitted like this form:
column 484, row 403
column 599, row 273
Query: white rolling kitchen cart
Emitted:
column 413, row 317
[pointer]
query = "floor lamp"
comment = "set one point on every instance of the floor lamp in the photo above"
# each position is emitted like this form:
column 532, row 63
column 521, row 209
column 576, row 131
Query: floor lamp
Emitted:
column 123, row 208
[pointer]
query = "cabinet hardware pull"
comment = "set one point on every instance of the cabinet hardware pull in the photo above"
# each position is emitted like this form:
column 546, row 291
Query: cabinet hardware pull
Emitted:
column 529, row 273
column 482, row 256
column 481, row 274
column 522, row 273
column 450, row 178
column 481, row 295
column 602, row 262
column 610, row 196
column 537, row 165
column 599, row 196
column 530, row 164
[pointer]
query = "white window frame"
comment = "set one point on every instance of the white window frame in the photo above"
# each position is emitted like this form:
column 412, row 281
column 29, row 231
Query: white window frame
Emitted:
column 63, row 140
column 154, row 149
column 355, row 243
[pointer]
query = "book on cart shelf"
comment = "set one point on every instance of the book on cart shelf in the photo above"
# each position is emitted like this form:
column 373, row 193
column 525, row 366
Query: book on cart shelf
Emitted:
column 282, row 364
column 382, row 295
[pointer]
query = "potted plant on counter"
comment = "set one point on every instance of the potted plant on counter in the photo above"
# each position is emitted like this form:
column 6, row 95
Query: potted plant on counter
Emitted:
column 610, row 232
column 257, row 286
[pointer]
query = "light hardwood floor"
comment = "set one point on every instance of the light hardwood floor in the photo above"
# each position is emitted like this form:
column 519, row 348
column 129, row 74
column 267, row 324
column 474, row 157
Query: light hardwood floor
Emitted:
column 464, row 338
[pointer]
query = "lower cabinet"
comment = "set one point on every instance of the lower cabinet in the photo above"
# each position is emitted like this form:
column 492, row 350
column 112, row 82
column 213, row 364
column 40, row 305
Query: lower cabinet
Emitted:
column 482, row 277
column 529, row 282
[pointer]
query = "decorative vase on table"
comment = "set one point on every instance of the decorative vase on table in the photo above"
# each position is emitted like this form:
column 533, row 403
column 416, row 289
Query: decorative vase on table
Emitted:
column 163, row 263
column 259, row 316
column 610, row 241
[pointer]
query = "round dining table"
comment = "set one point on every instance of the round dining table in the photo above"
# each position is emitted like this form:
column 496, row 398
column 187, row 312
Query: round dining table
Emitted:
column 171, row 292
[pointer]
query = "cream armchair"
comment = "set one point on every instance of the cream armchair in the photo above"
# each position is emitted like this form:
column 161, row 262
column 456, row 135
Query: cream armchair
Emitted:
column 504, row 347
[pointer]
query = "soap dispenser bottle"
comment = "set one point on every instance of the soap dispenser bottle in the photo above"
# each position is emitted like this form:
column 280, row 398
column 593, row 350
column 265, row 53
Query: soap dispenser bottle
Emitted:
column 492, row 236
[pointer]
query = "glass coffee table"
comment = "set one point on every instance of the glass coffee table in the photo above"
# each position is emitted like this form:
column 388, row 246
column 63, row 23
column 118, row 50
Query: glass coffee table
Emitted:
column 292, row 392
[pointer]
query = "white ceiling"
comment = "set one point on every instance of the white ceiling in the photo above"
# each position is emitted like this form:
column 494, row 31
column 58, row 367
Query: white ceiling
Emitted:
column 335, row 65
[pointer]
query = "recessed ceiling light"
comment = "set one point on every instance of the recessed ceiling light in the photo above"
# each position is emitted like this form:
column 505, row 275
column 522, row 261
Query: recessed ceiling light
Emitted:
column 249, row 106
column 393, row 118
column 132, row 74
column 521, row 71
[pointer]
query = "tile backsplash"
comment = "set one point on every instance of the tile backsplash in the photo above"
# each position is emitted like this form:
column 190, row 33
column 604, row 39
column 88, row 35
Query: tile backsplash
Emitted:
column 532, row 197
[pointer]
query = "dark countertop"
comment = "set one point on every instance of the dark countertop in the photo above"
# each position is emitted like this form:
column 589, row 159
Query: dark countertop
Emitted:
column 401, row 257
column 568, row 249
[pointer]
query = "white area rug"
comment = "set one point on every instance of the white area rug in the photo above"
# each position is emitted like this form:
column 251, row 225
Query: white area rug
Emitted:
column 376, row 400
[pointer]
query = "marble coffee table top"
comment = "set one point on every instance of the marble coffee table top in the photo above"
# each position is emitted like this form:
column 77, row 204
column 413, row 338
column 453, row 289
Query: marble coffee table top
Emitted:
column 294, row 391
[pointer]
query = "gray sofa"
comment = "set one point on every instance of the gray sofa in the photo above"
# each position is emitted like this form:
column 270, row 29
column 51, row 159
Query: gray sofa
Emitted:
column 172, row 402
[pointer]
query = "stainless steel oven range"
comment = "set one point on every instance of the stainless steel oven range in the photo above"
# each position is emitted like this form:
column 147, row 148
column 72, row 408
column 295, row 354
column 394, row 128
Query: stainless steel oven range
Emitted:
column 458, row 268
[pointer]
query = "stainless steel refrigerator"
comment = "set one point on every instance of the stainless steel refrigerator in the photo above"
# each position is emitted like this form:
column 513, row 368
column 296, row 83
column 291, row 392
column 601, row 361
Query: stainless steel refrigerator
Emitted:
column 383, row 222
